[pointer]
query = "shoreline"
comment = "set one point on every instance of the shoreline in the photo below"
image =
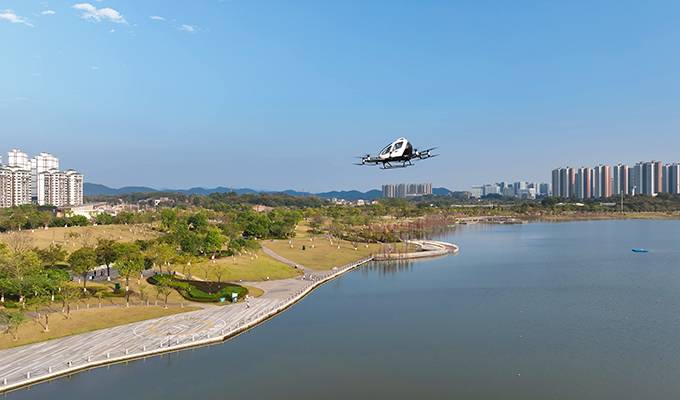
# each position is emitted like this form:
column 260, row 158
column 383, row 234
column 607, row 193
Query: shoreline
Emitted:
column 31, row 376
column 240, row 327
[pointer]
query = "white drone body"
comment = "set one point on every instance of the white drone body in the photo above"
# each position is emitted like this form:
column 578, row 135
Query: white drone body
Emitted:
column 398, row 154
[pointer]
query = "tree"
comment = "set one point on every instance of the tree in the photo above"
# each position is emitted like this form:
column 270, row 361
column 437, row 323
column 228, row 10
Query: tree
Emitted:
column 213, row 241
column 103, row 219
column 52, row 255
column 130, row 261
column 17, row 267
column 12, row 320
column 162, row 289
column 107, row 253
column 168, row 218
column 161, row 254
column 78, row 220
column 82, row 261
column 68, row 293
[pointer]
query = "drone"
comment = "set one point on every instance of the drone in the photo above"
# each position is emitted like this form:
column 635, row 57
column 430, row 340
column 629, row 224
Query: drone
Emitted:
column 398, row 154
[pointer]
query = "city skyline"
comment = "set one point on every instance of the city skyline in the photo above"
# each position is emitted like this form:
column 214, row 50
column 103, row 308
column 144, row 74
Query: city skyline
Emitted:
column 647, row 178
column 195, row 95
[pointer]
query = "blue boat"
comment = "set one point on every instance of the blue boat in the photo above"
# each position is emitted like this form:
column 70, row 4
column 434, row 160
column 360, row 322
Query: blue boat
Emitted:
column 640, row 251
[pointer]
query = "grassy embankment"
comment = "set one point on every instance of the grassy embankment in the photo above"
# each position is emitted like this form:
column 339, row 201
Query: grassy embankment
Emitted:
column 75, row 237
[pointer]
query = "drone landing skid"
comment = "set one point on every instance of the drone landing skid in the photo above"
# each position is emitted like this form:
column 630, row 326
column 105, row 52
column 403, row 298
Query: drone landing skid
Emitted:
column 390, row 166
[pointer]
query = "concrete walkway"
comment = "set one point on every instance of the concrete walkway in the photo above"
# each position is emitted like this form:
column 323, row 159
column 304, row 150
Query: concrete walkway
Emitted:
column 32, row 363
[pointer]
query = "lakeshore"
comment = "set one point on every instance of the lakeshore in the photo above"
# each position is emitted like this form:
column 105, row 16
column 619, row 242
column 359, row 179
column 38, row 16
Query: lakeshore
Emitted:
column 30, row 364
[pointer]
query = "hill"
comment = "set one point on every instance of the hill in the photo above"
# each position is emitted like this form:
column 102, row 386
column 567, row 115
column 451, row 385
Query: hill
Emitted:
column 95, row 189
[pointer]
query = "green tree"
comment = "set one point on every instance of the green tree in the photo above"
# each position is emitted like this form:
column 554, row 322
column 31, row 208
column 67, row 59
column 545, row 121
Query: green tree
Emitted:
column 103, row 219
column 162, row 254
column 52, row 255
column 130, row 261
column 107, row 254
column 162, row 289
column 213, row 241
column 18, row 266
column 12, row 320
column 83, row 261
column 78, row 220
column 168, row 218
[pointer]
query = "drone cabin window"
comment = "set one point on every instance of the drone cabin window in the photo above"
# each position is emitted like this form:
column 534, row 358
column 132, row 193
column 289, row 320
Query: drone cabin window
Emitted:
column 408, row 150
column 398, row 145
column 386, row 150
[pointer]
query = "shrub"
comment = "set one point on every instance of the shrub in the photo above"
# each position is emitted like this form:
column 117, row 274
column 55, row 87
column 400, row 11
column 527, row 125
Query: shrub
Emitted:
column 199, row 291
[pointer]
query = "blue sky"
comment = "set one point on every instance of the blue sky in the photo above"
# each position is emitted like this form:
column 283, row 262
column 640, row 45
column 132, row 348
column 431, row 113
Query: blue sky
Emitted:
column 282, row 94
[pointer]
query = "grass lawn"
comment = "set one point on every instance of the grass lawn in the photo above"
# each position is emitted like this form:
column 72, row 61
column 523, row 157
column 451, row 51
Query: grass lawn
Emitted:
column 324, row 255
column 75, row 237
column 254, row 291
column 255, row 267
column 85, row 320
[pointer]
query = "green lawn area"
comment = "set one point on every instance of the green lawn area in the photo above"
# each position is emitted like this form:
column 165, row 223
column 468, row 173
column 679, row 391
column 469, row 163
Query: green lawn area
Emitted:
column 256, row 266
column 324, row 254
column 75, row 237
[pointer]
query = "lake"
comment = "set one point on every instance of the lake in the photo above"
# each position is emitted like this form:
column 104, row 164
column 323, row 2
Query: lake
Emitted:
column 535, row 311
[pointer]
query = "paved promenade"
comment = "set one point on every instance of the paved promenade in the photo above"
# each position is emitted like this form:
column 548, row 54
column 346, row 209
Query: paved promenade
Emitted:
column 28, row 364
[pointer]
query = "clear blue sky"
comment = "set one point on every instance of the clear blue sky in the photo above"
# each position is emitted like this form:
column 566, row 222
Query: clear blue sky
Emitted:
column 282, row 94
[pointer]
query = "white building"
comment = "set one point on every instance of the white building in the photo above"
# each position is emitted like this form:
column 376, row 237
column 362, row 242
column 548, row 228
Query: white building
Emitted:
column 41, row 163
column 61, row 188
column 39, row 180
column 15, row 186
column 19, row 159
column 74, row 187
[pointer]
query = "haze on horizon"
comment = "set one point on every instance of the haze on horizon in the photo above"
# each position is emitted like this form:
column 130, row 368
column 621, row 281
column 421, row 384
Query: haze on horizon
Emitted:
column 282, row 95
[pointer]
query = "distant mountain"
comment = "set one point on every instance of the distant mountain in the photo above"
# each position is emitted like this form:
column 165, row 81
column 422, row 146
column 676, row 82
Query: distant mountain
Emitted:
column 94, row 189
column 352, row 195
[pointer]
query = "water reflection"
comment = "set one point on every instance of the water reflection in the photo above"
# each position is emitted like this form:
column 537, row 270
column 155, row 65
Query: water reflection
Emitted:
column 387, row 267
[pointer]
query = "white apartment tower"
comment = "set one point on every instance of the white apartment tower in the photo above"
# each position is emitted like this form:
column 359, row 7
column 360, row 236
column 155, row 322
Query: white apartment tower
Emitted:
column 19, row 159
column 41, row 163
column 15, row 184
column 74, row 187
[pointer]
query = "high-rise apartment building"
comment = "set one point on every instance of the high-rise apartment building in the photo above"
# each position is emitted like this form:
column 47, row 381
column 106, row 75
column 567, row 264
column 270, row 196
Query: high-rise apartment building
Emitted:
column 43, row 162
column 606, row 181
column 648, row 179
column 556, row 187
column 74, row 187
column 15, row 186
column 407, row 190
column 597, row 182
column 674, row 178
column 658, row 176
column 39, row 179
column 565, row 182
column 19, row 159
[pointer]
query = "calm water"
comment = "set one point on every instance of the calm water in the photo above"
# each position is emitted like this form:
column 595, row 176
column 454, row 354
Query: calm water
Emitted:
column 539, row 311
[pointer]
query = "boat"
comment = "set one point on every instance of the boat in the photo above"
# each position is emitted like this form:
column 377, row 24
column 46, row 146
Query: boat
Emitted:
column 640, row 251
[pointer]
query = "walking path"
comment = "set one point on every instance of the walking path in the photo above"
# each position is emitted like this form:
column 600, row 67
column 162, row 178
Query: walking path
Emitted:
column 32, row 363
column 426, row 248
